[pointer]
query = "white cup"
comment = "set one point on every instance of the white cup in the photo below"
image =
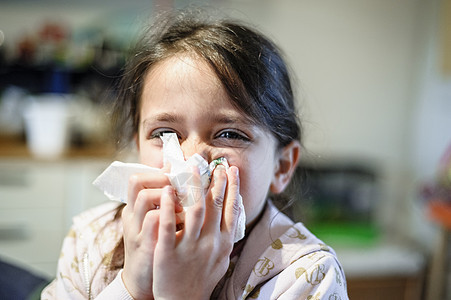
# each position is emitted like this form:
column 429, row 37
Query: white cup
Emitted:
column 47, row 125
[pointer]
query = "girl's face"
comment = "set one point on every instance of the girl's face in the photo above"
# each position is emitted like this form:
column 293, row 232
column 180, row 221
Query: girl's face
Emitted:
column 181, row 94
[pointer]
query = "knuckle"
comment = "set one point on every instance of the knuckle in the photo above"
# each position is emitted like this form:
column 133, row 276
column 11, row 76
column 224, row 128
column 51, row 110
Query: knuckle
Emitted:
column 146, row 200
column 140, row 198
column 197, row 211
column 208, row 248
column 226, row 248
column 223, row 250
column 236, row 207
column 133, row 180
column 167, row 225
column 218, row 201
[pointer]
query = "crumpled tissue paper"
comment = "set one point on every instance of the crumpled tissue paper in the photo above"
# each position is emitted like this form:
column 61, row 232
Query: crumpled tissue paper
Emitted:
column 190, row 187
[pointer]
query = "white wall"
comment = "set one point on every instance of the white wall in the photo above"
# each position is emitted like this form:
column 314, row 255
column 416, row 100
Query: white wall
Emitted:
column 357, row 63
column 430, row 124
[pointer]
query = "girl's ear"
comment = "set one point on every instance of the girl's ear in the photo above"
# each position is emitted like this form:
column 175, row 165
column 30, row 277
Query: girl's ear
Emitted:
column 285, row 167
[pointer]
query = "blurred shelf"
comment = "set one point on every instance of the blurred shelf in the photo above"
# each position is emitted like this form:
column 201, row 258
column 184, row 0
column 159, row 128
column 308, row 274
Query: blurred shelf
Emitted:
column 16, row 147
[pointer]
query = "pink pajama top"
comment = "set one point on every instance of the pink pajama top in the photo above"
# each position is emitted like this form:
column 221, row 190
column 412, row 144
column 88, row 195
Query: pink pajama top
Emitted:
column 279, row 260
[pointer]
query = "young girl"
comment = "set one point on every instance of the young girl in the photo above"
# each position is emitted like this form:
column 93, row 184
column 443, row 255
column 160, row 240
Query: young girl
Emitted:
column 225, row 91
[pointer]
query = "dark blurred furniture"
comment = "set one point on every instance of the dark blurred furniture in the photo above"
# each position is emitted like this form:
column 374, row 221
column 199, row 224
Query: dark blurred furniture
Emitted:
column 440, row 275
column 17, row 283
column 386, row 288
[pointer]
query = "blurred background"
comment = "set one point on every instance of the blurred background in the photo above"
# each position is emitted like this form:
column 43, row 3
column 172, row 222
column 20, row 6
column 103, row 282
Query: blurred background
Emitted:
column 374, row 89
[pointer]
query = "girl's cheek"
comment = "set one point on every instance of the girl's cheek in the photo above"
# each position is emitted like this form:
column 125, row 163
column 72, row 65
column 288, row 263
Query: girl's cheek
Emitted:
column 151, row 158
column 233, row 156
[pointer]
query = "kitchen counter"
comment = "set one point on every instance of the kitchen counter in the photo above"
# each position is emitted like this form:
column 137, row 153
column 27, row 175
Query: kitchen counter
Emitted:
column 381, row 260
column 384, row 271
column 16, row 147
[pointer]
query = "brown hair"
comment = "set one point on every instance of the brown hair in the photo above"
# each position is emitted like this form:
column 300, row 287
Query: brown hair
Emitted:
column 249, row 66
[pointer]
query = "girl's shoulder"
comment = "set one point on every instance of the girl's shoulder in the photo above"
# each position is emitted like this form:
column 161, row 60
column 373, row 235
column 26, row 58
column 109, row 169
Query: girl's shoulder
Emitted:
column 296, row 265
column 98, row 227
column 297, row 245
column 86, row 256
column 97, row 216
column 292, row 238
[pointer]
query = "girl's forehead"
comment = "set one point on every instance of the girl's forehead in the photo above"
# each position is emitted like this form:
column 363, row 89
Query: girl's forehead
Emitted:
column 186, row 78
column 182, row 64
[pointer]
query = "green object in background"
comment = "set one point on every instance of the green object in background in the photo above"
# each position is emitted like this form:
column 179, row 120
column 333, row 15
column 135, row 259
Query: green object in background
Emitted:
column 346, row 234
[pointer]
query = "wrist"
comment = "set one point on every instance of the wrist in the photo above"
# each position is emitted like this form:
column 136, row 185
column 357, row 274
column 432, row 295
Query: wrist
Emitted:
column 134, row 293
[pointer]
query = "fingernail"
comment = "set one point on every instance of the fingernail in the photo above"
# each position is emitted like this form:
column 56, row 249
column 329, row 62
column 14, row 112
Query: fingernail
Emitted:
column 218, row 169
column 235, row 170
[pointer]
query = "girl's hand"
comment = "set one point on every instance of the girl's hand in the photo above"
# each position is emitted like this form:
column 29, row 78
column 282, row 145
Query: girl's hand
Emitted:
column 189, row 263
column 140, row 220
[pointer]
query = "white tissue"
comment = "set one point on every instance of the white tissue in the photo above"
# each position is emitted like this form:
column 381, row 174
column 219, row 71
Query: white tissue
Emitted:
column 189, row 186
column 114, row 180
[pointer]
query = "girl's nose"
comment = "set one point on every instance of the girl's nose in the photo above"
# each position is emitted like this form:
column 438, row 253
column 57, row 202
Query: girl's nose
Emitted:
column 191, row 146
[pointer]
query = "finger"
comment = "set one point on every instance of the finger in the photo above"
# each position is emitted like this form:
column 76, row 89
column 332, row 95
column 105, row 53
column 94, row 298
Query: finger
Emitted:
column 149, row 230
column 215, row 200
column 195, row 214
column 137, row 182
column 127, row 218
column 147, row 199
column 167, row 222
column 232, row 208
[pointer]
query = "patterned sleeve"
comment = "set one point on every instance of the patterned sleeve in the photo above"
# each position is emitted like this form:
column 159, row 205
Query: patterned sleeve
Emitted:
column 68, row 283
column 313, row 277
column 322, row 279
column 83, row 266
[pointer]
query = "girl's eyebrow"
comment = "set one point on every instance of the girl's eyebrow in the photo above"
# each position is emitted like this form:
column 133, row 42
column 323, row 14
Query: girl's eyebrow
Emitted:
column 214, row 118
column 225, row 119
column 229, row 118
column 162, row 117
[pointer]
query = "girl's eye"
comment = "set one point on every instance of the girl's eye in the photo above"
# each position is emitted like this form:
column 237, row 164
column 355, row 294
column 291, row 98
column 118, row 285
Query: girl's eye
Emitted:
column 156, row 134
column 233, row 135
